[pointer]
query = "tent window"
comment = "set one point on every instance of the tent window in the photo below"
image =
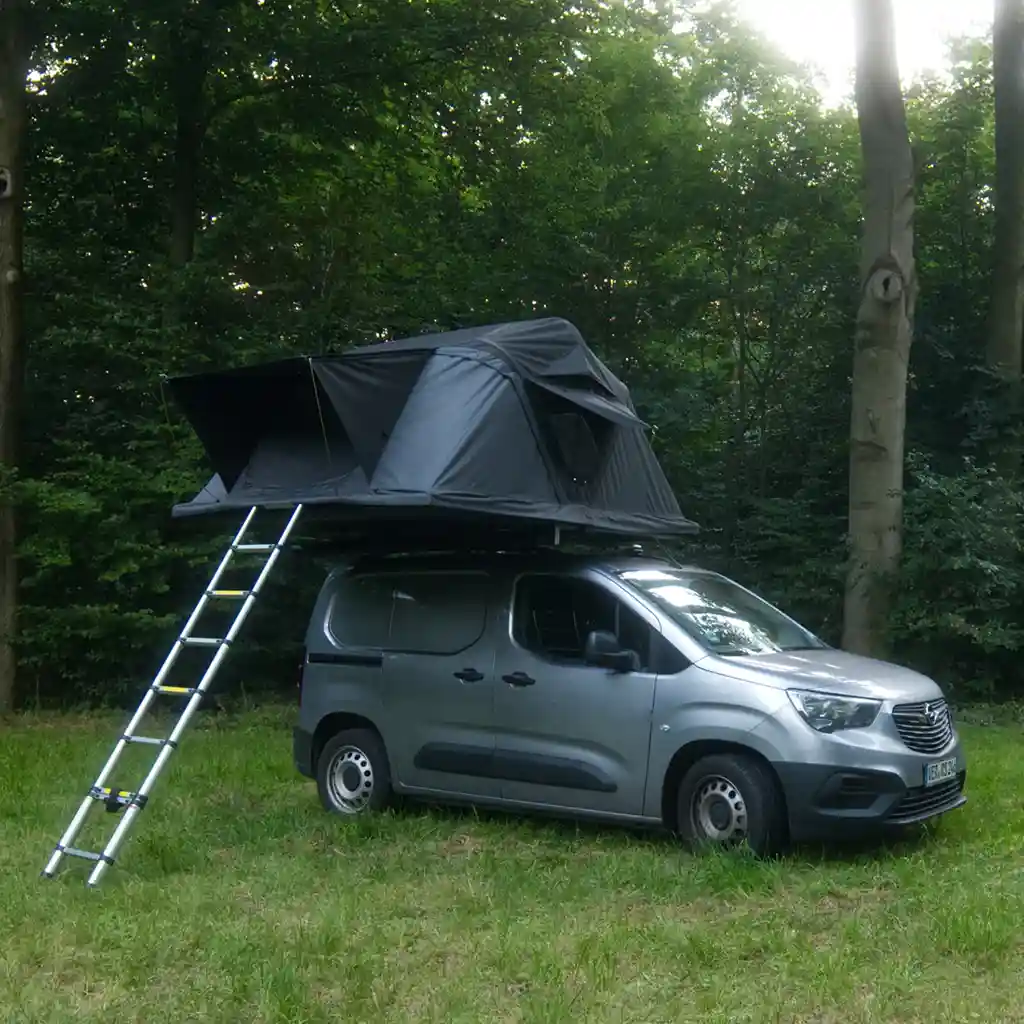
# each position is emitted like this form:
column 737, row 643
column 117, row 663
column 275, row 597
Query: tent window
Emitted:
column 577, row 446
column 577, row 440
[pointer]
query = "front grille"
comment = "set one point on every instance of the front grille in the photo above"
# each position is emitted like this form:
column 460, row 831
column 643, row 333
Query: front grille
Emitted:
column 925, row 728
column 922, row 802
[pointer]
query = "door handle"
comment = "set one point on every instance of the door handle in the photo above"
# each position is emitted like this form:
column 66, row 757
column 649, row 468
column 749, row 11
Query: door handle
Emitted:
column 469, row 675
column 519, row 679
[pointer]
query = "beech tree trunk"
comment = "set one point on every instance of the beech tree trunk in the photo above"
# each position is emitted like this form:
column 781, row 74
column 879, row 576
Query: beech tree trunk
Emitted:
column 188, row 143
column 1006, row 315
column 883, row 334
column 13, row 71
column 189, row 61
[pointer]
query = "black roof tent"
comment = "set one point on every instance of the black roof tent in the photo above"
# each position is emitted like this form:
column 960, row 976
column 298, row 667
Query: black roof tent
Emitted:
column 511, row 423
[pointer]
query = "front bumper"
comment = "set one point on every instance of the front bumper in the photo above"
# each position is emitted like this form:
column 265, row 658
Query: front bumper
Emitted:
column 831, row 802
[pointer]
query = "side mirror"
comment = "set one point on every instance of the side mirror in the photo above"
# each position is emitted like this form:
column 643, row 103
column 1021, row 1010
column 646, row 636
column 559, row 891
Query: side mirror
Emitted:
column 603, row 648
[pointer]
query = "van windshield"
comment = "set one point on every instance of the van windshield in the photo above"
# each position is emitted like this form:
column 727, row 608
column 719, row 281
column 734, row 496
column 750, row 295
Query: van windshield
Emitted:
column 719, row 614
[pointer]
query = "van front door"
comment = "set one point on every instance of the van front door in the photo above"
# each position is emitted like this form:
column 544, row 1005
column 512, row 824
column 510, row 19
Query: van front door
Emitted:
column 569, row 734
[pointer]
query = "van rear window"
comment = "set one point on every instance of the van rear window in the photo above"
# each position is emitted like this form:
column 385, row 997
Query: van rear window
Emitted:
column 425, row 613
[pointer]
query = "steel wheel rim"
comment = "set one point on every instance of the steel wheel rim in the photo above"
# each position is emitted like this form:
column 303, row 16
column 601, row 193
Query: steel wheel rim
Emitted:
column 718, row 811
column 350, row 780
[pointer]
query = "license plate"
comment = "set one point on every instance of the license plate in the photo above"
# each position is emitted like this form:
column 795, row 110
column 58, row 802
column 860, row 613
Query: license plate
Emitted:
column 939, row 771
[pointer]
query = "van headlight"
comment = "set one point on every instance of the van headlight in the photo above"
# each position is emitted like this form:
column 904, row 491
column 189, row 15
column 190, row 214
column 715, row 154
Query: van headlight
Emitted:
column 828, row 712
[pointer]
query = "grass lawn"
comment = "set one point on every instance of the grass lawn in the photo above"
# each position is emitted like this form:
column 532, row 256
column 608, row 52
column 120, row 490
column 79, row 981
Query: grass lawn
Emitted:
column 238, row 899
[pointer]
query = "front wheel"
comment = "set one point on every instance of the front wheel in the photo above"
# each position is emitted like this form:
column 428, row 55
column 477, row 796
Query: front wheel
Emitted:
column 352, row 774
column 729, row 801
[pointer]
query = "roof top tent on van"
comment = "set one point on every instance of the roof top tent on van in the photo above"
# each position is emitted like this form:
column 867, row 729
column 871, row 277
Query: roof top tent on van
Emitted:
column 467, row 437
column 517, row 422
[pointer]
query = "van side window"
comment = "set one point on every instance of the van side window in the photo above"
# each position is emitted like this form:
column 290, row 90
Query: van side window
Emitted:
column 416, row 612
column 438, row 613
column 552, row 616
column 360, row 614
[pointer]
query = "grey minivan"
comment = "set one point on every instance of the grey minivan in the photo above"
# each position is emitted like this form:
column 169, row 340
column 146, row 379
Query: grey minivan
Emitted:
column 623, row 688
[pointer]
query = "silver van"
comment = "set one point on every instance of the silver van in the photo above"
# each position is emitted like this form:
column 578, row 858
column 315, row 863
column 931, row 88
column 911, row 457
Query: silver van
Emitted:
column 622, row 688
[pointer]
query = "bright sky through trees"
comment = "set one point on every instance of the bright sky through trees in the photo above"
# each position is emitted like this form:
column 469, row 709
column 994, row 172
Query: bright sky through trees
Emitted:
column 820, row 32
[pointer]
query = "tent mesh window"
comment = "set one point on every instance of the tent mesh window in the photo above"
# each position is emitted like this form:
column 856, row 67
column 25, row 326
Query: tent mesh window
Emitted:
column 576, row 440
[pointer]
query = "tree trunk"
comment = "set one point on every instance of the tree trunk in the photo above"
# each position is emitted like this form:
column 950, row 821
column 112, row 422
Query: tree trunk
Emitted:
column 187, row 146
column 189, row 66
column 13, row 71
column 188, row 143
column 883, row 335
column 1006, row 315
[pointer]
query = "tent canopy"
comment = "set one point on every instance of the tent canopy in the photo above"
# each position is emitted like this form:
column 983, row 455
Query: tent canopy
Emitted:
column 519, row 421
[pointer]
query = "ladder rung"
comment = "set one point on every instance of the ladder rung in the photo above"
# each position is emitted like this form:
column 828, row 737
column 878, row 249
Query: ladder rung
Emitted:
column 152, row 741
column 254, row 547
column 203, row 641
column 229, row 594
column 71, row 851
column 178, row 691
column 101, row 793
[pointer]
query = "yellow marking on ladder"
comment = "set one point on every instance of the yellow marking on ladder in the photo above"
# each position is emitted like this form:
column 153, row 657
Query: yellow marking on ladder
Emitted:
column 174, row 689
column 227, row 593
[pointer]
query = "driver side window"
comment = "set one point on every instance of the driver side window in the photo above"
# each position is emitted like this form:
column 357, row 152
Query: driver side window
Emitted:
column 552, row 616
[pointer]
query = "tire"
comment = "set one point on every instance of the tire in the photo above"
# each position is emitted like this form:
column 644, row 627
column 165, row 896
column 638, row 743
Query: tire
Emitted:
column 352, row 773
column 729, row 801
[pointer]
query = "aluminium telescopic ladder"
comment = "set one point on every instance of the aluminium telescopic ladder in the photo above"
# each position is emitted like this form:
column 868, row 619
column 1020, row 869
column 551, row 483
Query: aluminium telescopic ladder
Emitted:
column 132, row 802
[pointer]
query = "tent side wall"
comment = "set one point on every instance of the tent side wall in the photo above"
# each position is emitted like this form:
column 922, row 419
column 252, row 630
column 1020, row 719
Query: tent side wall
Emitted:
column 464, row 434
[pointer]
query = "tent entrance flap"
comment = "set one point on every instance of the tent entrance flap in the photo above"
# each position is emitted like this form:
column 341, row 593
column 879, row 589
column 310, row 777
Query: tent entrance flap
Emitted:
column 236, row 413
column 515, row 421
column 389, row 379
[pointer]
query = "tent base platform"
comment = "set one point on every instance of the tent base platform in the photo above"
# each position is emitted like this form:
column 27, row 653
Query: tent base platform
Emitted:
column 396, row 531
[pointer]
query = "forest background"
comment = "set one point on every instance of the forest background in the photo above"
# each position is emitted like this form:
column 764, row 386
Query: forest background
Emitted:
column 212, row 182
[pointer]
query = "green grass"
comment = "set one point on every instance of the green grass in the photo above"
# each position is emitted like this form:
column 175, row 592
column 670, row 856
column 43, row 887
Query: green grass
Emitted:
column 238, row 899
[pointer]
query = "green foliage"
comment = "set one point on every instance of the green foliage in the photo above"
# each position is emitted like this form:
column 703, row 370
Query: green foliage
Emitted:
column 365, row 170
column 959, row 616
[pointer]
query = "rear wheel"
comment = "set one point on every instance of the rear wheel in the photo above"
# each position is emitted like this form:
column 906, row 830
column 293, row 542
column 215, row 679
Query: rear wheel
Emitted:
column 352, row 774
column 729, row 801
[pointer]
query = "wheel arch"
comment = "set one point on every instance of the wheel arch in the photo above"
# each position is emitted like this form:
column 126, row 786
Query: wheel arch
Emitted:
column 689, row 754
column 336, row 722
